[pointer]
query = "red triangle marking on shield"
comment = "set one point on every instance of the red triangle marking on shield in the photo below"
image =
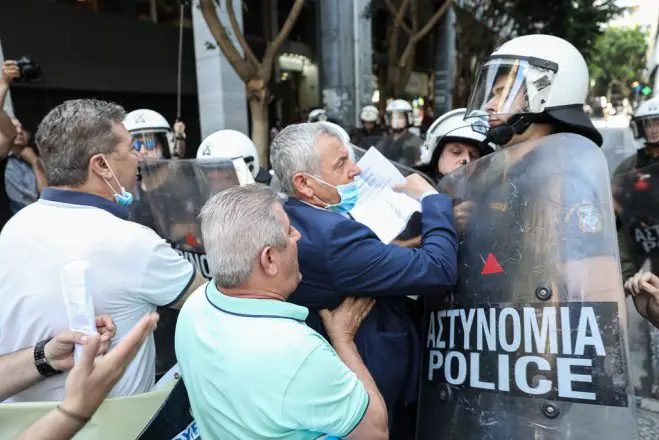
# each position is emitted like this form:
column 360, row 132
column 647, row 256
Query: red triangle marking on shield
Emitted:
column 491, row 265
column 191, row 241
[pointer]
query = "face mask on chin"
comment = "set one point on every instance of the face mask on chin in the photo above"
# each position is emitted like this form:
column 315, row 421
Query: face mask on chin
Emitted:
column 124, row 198
column 348, row 194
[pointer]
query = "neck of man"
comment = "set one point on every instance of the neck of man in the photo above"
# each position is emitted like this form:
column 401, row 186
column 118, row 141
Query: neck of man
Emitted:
column 526, row 142
column 253, row 289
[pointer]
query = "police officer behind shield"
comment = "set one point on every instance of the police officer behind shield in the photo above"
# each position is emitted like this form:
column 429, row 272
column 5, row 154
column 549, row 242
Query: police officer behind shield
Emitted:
column 452, row 142
column 152, row 135
column 540, row 231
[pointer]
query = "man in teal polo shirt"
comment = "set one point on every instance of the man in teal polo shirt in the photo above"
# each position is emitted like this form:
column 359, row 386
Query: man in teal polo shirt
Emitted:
column 252, row 367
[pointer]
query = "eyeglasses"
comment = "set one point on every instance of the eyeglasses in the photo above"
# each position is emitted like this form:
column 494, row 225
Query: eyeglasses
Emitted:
column 147, row 144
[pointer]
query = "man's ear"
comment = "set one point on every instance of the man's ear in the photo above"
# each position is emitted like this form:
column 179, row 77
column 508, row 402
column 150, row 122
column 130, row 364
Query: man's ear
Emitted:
column 98, row 165
column 301, row 184
column 268, row 261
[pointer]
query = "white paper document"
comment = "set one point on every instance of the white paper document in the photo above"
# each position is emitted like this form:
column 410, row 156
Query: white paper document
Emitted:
column 379, row 207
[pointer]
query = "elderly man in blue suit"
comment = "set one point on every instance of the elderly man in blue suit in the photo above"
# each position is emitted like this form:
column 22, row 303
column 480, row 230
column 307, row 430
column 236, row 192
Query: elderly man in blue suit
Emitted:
column 340, row 257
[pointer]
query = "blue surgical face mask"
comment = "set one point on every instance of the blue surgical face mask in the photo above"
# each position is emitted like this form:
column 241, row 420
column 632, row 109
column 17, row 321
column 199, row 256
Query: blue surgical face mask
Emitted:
column 124, row 198
column 349, row 194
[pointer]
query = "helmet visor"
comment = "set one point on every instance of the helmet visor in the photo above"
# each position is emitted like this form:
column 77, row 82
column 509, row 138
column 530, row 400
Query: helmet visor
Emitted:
column 398, row 119
column 648, row 129
column 507, row 87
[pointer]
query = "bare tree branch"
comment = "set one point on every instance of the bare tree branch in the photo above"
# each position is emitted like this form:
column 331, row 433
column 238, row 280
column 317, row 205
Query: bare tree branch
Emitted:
column 222, row 38
column 249, row 55
column 409, row 49
column 433, row 20
column 394, row 13
column 273, row 47
column 414, row 12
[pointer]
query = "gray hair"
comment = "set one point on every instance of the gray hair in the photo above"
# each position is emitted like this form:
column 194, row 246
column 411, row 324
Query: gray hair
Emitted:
column 71, row 133
column 294, row 150
column 236, row 224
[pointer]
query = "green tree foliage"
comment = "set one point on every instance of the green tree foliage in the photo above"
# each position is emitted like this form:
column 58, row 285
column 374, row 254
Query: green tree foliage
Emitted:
column 618, row 57
column 578, row 21
column 483, row 25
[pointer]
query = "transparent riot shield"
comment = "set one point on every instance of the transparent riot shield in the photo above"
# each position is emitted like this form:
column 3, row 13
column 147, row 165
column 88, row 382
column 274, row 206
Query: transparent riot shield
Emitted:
column 636, row 196
column 173, row 192
column 532, row 343
column 169, row 197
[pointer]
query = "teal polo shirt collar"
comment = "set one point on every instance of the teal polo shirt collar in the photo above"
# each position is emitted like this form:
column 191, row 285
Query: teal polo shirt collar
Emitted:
column 252, row 307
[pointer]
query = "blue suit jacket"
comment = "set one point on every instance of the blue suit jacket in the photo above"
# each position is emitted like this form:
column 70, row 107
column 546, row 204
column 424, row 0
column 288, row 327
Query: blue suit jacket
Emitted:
column 341, row 257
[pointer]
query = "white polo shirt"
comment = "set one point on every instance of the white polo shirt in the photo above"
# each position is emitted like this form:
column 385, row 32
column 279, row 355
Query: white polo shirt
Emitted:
column 132, row 270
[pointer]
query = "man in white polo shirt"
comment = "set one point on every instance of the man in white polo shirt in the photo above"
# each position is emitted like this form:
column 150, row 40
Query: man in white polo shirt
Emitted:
column 252, row 367
column 91, row 168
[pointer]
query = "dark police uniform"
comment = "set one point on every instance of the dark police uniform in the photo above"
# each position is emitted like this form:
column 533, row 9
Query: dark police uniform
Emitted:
column 527, row 221
column 636, row 189
column 405, row 150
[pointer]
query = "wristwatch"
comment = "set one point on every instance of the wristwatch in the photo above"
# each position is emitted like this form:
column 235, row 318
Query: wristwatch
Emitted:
column 40, row 361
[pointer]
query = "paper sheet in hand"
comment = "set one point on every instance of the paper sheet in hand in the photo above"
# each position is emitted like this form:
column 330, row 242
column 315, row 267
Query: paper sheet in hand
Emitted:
column 380, row 208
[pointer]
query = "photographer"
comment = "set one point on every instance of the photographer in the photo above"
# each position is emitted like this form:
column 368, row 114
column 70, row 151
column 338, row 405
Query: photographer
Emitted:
column 7, row 136
column 24, row 176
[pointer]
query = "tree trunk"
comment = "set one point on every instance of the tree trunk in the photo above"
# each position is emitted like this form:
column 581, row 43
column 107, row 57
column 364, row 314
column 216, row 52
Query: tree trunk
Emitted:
column 258, row 110
column 403, row 75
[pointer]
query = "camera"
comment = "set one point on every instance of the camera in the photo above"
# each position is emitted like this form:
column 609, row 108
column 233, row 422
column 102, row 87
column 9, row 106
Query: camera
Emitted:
column 30, row 71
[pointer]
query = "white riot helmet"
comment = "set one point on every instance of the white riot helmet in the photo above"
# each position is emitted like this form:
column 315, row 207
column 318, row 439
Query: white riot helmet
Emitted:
column 452, row 127
column 645, row 123
column 151, row 125
column 317, row 115
column 146, row 121
column 369, row 113
column 230, row 144
column 534, row 78
column 399, row 115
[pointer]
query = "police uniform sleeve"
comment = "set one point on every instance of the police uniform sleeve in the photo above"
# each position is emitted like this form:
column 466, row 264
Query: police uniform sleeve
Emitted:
column 628, row 263
column 324, row 396
column 166, row 276
column 584, row 231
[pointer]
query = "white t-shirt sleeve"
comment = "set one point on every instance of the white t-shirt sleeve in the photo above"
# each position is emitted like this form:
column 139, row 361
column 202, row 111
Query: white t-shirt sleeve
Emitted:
column 166, row 276
column 325, row 396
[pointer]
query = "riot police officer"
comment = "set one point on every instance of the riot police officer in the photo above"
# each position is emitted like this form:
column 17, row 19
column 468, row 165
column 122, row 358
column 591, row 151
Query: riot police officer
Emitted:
column 152, row 135
column 400, row 145
column 452, row 142
column 506, row 355
column 370, row 120
column 636, row 190
column 636, row 193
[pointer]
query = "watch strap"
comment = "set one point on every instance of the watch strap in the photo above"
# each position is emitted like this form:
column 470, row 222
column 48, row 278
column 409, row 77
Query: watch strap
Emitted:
column 40, row 361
